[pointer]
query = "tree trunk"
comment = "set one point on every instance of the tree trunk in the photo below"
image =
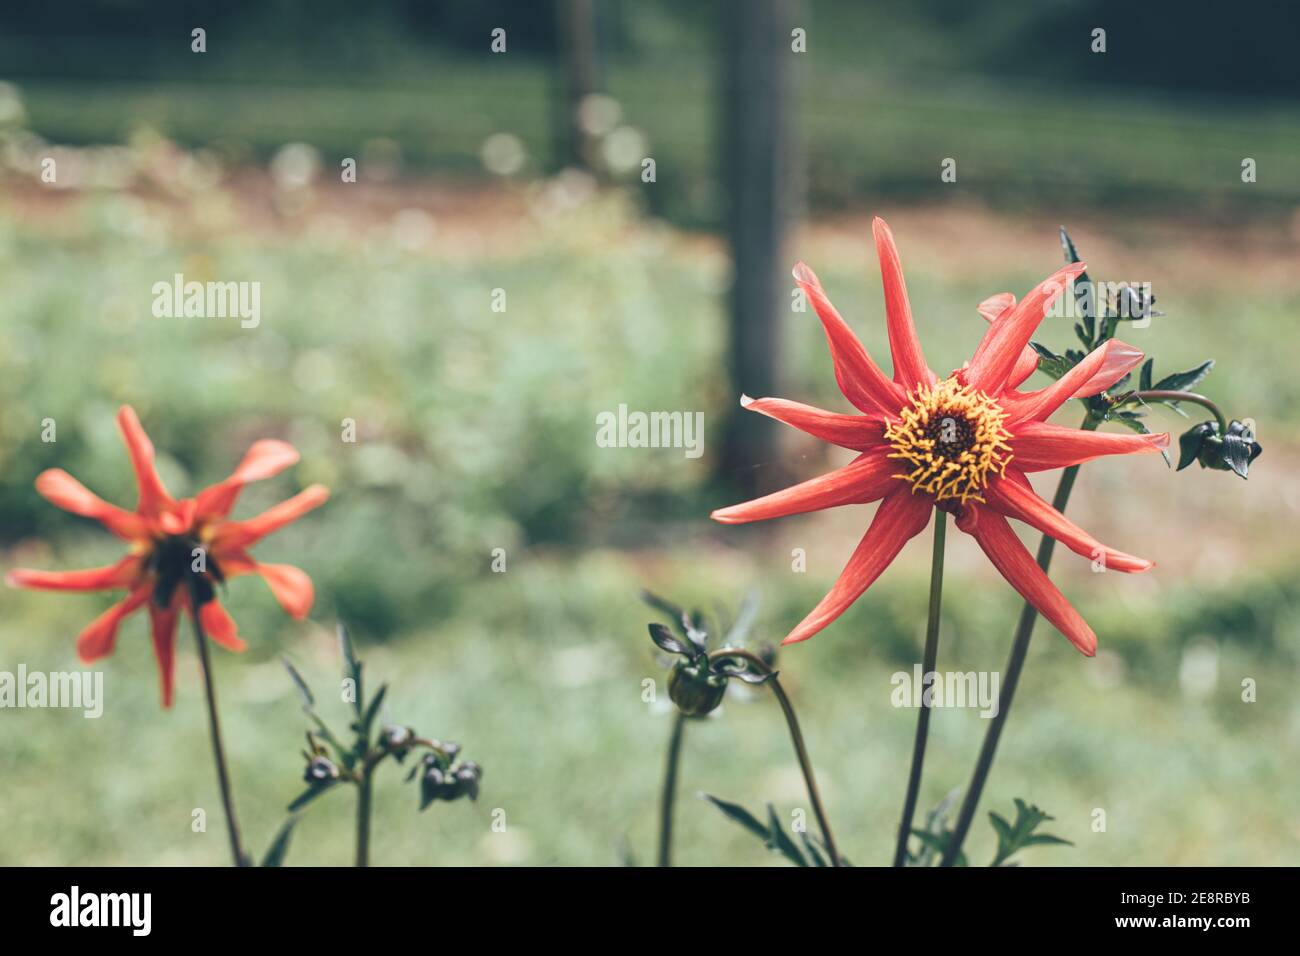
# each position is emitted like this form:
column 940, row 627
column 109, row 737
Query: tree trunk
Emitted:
column 756, row 172
column 579, row 76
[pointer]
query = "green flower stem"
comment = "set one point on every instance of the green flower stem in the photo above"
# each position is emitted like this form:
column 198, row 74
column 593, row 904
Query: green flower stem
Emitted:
column 1019, row 648
column 1193, row 397
column 670, row 790
column 214, row 725
column 364, row 791
column 930, row 659
column 796, row 738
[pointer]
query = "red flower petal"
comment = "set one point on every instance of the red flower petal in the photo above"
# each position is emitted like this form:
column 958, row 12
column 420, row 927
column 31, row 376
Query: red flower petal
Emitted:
column 178, row 518
column 1040, row 446
column 219, row 626
column 100, row 635
column 121, row 575
column 910, row 369
column 1097, row 371
column 153, row 496
column 1014, row 497
column 867, row 478
column 1118, row 360
column 858, row 432
column 859, row 378
column 240, row 534
column 291, row 586
column 994, row 307
column 899, row 518
column 1009, row 556
column 1006, row 339
column 264, row 459
column 162, row 629
column 62, row 490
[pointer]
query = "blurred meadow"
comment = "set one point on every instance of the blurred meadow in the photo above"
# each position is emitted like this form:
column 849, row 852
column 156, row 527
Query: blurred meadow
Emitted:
column 476, row 429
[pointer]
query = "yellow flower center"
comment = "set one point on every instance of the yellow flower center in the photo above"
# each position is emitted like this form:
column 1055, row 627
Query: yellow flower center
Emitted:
column 954, row 440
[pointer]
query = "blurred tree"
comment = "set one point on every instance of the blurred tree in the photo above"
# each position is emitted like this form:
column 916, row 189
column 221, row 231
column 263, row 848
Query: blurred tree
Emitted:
column 579, row 77
column 756, row 168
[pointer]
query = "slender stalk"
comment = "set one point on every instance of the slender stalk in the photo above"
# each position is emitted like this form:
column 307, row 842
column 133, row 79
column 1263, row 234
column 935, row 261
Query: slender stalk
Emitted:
column 214, row 725
column 930, row 659
column 670, row 790
column 1019, row 648
column 796, row 738
column 364, row 788
column 1162, row 395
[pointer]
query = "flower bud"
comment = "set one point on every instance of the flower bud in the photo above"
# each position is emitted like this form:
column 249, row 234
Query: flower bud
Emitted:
column 694, row 689
column 395, row 740
column 320, row 770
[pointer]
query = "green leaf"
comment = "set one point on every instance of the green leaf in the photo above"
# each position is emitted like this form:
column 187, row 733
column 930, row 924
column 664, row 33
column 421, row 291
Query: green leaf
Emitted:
column 681, row 620
column 739, row 814
column 1083, row 288
column 308, row 702
column 667, row 642
column 372, row 711
column 1049, row 363
column 1144, row 377
column 280, row 845
column 935, row 822
column 351, row 666
column 937, row 843
column 781, row 840
column 811, row 849
column 1013, row 837
column 1182, row 381
column 310, row 794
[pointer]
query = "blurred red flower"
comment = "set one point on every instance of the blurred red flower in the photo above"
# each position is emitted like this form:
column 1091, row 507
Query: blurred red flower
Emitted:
column 170, row 541
column 963, row 444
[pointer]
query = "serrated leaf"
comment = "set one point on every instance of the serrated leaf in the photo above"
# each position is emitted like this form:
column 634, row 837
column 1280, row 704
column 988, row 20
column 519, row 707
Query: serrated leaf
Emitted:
column 1013, row 837
column 1049, row 363
column 280, row 845
column 1182, row 381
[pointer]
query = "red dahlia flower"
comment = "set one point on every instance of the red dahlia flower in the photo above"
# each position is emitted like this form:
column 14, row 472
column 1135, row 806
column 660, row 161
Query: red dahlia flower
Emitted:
column 963, row 444
column 164, row 535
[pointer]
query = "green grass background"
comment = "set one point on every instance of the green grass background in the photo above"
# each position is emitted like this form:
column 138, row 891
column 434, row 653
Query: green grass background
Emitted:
column 477, row 432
